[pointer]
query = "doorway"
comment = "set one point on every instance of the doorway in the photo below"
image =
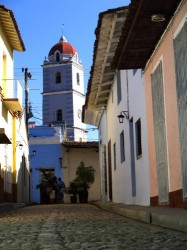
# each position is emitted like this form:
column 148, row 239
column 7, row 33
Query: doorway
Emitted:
column 109, row 170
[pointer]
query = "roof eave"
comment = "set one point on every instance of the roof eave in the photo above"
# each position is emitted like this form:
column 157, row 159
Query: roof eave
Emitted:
column 107, row 33
column 140, row 34
column 11, row 29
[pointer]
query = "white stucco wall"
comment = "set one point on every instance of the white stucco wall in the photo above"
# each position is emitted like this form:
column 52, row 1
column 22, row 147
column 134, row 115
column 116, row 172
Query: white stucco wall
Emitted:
column 78, row 68
column 102, row 155
column 78, row 101
column 23, row 168
column 133, row 96
column 120, row 189
column 137, row 106
column 79, row 131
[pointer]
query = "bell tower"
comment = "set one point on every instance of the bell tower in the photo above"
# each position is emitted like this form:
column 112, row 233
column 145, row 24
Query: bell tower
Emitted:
column 63, row 90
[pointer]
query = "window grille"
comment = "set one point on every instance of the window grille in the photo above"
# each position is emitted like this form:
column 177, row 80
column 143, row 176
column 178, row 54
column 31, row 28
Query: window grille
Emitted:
column 180, row 52
column 122, row 146
column 160, row 134
column 114, row 152
column 138, row 139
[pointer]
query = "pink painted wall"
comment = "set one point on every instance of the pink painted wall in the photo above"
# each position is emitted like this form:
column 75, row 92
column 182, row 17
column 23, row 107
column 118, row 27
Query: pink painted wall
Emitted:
column 165, row 53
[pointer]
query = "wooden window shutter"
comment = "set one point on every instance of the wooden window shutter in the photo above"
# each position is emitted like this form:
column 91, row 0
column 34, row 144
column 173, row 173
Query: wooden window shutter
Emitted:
column 180, row 52
column 160, row 134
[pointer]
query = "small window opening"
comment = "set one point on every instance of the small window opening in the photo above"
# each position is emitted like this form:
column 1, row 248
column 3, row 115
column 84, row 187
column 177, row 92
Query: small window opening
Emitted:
column 78, row 79
column 58, row 77
column 59, row 115
column 138, row 139
column 57, row 57
column 122, row 146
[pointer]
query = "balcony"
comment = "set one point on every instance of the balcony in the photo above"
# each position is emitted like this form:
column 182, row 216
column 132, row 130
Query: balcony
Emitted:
column 14, row 103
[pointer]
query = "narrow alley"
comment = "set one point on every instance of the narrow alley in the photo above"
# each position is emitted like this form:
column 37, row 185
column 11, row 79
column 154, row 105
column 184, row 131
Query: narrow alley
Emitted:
column 81, row 226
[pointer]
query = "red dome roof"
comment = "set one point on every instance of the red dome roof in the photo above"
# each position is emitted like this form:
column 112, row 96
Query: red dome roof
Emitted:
column 64, row 48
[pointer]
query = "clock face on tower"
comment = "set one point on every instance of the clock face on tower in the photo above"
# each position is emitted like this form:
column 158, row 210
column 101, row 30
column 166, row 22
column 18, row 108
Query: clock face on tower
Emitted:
column 79, row 113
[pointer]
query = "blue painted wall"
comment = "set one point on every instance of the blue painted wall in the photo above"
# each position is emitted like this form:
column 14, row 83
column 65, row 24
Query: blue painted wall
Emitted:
column 47, row 156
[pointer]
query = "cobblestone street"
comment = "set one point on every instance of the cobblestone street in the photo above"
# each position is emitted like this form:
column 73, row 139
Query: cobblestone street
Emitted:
column 81, row 226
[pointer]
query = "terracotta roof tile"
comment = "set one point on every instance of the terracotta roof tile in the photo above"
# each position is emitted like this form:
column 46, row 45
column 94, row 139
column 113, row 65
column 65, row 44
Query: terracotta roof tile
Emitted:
column 64, row 48
column 140, row 34
column 77, row 144
column 10, row 26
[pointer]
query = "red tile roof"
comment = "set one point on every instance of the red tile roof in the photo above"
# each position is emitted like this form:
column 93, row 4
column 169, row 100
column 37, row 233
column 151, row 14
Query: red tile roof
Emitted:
column 64, row 48
column 77, row 144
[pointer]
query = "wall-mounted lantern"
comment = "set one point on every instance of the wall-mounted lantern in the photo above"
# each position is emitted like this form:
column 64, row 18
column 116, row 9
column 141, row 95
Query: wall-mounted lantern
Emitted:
column 123, row 114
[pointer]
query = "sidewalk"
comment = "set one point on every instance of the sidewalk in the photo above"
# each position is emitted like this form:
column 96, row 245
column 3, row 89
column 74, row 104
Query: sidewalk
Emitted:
column 8, row 207
column 173, row 218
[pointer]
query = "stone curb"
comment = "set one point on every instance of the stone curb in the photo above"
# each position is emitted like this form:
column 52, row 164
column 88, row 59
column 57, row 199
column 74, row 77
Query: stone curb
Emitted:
column 176, row 220
column 172, row 218
column 8, row 207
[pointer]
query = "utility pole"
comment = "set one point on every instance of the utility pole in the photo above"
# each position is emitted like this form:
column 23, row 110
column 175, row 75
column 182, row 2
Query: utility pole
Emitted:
column 26, row 76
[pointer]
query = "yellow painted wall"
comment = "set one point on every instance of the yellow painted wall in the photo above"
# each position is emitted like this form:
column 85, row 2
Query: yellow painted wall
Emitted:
column 70, row 162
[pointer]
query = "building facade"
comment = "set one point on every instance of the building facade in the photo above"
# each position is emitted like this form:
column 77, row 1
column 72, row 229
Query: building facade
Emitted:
column 14, row 165
column 166, row 81
column 73, row 154
column 123, row 146
column 154, row 39
column 45, row 156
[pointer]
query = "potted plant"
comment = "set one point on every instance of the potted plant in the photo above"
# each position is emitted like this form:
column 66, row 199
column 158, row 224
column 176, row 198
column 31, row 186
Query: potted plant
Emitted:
column 45, row 185
column 85, row 177
column 73, row 191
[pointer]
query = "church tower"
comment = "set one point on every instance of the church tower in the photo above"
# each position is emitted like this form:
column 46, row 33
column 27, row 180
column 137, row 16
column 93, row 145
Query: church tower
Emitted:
column 63, row 90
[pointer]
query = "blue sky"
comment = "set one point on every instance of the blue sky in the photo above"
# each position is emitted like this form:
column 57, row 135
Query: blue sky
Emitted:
column 41, row 24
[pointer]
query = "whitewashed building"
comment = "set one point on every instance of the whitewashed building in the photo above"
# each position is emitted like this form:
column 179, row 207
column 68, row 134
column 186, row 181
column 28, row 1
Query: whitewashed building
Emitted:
column 111, row 92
